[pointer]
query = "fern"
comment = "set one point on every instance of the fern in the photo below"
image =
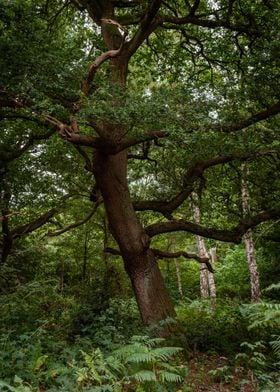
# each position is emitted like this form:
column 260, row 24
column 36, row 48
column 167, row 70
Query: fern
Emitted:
column 165, row 376
column 275, row 344
column 264, row 315
column 139, row 363
column 144, row 376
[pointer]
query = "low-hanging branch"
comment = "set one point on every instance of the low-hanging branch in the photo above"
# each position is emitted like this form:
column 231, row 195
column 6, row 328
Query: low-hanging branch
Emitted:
column 76, row 224
column 33, row 225
column 160, row 254
column 234, row 235
column 194, row 173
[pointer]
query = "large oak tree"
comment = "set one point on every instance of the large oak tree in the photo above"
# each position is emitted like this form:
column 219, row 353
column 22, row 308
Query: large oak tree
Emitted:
column 165, row 96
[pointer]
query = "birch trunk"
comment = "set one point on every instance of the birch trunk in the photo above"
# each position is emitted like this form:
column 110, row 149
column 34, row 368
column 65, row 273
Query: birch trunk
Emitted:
column 249, row 241
column 178, row 270
column 202, row 252
column 211, row 279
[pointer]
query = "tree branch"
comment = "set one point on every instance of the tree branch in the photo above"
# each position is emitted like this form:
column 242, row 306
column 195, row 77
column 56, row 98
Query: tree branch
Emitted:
column 160, row 254
column 234, row 235
column 194, row 8
column 147, row 26
column 76, row 224
column 103, row 57
column 194, row 173
column 208, row 23
column 34, row 225
column 255, row 118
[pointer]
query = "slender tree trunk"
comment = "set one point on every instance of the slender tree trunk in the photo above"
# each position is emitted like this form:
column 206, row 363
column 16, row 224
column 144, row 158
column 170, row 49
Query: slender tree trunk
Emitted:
column 151, row 294
column 7, row 239
column 211, row 279
column 179, row 279
column 85, row 258
column 202, row 252
column 249, row 241
column 177, row 268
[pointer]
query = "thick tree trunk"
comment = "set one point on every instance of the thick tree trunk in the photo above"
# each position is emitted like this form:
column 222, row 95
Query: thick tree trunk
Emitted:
column 249, row 241
column 152, row 297
column 110, row 172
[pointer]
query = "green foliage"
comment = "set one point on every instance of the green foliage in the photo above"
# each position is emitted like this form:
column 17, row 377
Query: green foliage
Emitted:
column 144, row 362
column 222, row 374
column 264, row 318
column 219, row 329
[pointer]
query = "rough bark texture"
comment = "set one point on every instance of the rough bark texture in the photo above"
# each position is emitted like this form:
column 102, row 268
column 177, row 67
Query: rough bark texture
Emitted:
column 249, row 241
column 140, row 263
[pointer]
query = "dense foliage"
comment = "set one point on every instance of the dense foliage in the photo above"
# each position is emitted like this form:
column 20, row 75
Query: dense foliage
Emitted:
column 117, row 120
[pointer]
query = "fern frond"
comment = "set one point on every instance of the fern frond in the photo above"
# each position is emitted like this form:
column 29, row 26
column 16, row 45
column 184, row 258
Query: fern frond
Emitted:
column 274, row 286
column 275, row 344
column 144, row 376
column 164, row 353
column 144, row 357
column 165, row 376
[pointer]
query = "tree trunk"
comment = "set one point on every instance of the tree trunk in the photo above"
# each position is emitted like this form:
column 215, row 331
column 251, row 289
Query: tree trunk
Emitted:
column 249, row 241
column 202, row 252
column 151, row 294
column 85, row 257
column 110, row 172
column 7, row 239
column 177, row 268
column 179, row 279
column 211, row 279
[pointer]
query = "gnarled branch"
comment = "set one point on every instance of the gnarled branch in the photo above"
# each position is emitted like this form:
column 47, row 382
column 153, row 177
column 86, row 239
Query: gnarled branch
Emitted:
column 235, row 235
column 192, row 174
column 160, row 254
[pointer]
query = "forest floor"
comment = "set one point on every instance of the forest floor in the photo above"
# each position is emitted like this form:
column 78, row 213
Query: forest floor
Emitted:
column 215, row 374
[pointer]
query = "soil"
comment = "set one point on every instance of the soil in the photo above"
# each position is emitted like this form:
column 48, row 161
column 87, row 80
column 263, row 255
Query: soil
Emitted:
column 215, row 374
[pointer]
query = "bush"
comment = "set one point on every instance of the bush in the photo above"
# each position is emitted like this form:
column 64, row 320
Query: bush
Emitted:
column 220, row 329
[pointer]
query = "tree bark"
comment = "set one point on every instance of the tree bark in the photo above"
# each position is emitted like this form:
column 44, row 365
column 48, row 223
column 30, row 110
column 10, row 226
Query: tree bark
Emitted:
column 202, row 252
column 177, row 268
column 249, row 241
column 211, row 278
column 140, row 263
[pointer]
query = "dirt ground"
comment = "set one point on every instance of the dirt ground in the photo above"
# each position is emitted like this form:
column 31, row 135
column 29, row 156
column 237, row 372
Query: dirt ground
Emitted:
column 215, row 374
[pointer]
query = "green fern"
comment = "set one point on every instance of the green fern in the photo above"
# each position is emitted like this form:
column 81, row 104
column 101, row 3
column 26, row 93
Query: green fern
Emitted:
column 144, row 376
column 264, row 315
column 140, row 363
column 275, row 344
